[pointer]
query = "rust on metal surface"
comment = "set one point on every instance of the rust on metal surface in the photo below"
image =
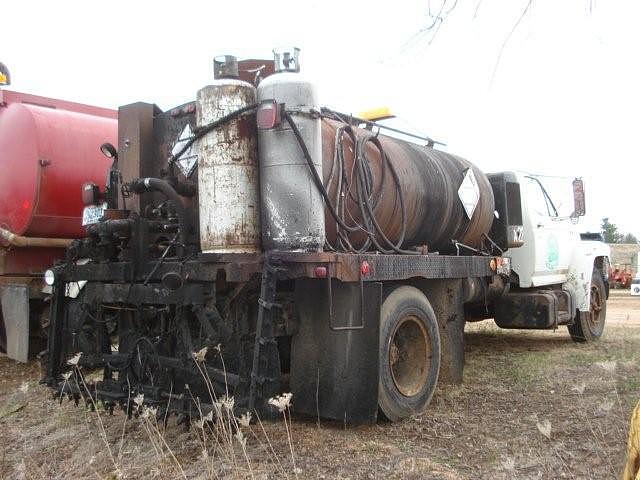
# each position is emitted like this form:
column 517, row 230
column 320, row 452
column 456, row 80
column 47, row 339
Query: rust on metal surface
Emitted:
column 229, row 206
column 238, row 267
column 429, row 180
column 347, row 267
column 255, row 70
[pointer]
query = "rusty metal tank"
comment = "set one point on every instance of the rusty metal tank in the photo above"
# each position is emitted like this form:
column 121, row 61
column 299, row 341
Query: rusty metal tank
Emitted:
column 227, row 165
column 446, row 198
column 292, row 206
column 48, row 149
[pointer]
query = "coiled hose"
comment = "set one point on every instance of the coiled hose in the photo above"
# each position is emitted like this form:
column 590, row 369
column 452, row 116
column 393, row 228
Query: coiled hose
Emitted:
column 360, row 190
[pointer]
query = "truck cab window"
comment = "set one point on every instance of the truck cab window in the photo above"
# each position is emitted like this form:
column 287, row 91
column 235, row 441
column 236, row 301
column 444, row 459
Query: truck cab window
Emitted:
column 540, row 201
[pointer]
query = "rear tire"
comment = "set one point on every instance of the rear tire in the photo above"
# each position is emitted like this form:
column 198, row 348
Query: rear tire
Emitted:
column 409, row 353
column 589, row 328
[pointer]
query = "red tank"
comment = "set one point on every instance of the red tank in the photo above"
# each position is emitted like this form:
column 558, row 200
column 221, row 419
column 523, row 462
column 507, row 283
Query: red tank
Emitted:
column 48, row 149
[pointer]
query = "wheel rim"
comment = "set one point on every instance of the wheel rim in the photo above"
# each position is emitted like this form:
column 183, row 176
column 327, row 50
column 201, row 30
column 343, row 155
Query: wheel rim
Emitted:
column 595, row 308
column 409, row 356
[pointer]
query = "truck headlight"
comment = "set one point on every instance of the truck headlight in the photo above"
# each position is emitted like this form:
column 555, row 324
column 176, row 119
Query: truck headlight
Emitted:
column 49, row 277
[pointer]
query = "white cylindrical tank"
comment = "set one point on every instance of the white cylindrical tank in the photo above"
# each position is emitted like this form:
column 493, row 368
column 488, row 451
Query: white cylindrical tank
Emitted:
column 292, row 206
column 227, row 165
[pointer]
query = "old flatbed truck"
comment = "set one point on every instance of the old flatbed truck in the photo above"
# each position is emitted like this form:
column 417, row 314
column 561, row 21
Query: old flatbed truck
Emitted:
column 267, row 244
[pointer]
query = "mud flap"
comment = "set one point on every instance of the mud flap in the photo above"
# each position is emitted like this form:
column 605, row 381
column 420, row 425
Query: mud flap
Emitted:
column 15, row 313
column 446, row 300
column 334, row 354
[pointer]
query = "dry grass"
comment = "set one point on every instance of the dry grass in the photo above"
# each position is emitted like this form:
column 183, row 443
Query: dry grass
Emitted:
column 533, row 405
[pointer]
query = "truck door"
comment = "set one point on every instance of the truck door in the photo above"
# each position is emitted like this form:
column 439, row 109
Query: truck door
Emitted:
column 553, row 236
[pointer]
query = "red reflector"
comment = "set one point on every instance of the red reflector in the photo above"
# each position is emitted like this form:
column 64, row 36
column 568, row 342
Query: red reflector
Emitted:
column 268, row 115
column 320, row 272
column 365, row 268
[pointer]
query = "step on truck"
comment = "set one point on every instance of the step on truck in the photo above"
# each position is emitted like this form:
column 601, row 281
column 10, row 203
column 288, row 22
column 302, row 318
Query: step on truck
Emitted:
column 255, row 242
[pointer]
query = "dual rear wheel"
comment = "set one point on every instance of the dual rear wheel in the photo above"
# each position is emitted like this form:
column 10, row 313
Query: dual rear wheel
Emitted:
column 409, row 353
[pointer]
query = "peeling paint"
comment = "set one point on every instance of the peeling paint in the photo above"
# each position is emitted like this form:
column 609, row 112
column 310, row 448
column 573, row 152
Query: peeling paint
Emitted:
column 228, row 171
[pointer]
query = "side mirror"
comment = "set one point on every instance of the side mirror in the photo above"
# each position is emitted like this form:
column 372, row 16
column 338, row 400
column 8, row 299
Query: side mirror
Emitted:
column 5, row 76
column 579, row 205
column 109, row 151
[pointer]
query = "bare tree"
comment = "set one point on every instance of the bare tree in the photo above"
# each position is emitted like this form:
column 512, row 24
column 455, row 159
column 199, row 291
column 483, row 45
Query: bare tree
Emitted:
column 438, row 15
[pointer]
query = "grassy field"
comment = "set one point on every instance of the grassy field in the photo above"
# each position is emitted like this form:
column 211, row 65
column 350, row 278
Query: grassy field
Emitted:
column 533, row 405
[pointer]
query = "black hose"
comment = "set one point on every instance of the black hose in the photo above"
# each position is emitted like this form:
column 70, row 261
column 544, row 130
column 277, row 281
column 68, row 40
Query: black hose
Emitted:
column 316, row 178
column 364, row 195
column 109, row 227
column 202, row 131
column 142, row 185
column 366, row 182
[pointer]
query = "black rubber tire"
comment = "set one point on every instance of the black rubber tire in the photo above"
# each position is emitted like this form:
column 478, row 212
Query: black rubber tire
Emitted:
column 407, row 324
column 590, row 329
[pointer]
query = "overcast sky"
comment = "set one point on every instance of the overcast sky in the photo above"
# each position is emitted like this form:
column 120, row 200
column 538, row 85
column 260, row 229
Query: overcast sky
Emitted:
column 564, row 99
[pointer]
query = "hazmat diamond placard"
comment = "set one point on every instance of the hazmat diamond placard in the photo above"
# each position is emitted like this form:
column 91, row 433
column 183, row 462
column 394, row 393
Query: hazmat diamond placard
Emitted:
column 188, row 160
column 469, row 193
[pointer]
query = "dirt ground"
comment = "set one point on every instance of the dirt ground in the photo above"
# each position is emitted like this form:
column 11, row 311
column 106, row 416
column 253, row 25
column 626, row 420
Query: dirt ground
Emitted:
column 533, row 405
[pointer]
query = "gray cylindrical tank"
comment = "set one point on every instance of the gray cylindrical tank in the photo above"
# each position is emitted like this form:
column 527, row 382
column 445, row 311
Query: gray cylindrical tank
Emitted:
column 292, row 206
column 227, row 165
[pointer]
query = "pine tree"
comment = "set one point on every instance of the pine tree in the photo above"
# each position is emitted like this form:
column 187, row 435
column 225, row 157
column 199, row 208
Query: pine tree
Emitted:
column 610, row 231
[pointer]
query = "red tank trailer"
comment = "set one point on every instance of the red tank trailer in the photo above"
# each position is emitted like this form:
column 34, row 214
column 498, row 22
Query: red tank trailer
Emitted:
column 48, row 149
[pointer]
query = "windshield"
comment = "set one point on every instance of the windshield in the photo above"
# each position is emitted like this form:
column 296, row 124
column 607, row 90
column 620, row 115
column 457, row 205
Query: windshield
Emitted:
column 557, row 194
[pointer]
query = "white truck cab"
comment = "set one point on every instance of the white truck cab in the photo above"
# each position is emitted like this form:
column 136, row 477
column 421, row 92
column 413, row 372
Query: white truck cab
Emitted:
column 558, row 278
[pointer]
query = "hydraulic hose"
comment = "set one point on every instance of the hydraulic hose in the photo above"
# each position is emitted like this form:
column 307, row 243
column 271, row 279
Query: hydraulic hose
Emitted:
column 148, row 184
column 202, row 131
column 316, row 178
column 364, row 196
column 109, row 227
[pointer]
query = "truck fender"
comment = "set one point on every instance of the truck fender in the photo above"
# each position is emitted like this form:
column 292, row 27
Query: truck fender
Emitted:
column 586, row 256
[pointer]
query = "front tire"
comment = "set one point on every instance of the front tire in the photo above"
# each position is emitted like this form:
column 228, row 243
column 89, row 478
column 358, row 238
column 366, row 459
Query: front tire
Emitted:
column 589, row 328
column 409, row 358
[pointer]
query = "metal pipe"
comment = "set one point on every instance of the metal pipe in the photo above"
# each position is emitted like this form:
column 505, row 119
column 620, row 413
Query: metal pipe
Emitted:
column 156, row 185
column 20, row 241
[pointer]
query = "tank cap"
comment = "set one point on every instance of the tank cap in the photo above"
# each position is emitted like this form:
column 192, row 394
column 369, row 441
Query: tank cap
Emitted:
column 286, row 59
column 225, row 66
